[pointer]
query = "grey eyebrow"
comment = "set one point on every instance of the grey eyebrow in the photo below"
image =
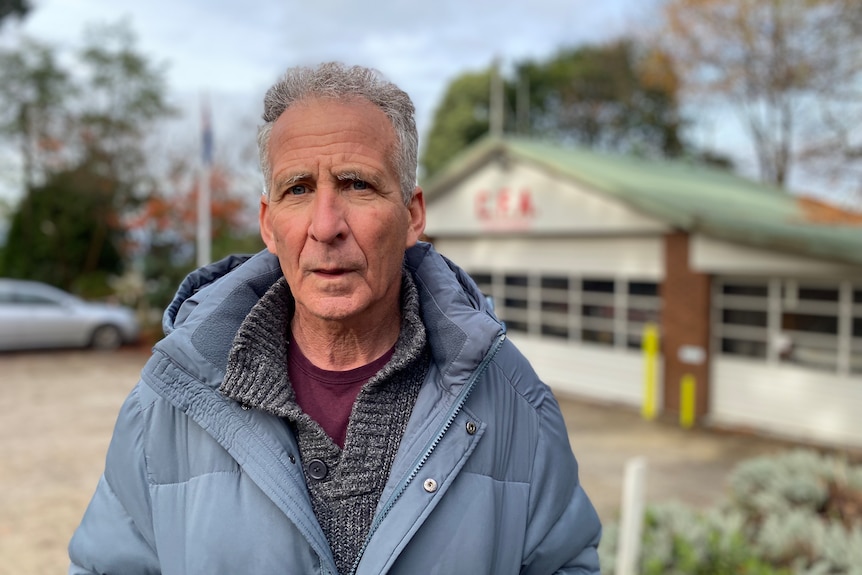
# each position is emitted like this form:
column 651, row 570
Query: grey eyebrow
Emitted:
column 287, row 181
column 352, row 175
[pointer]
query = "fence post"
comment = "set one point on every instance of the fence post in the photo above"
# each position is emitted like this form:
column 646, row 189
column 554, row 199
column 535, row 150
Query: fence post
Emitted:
column 632, row 516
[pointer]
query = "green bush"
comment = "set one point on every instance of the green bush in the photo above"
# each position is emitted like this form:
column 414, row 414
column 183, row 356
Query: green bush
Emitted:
column 798, row 512
column 678, row 540
column 803, row 509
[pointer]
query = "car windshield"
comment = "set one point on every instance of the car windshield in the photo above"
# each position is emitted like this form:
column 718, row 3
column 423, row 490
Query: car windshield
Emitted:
column 36, row 295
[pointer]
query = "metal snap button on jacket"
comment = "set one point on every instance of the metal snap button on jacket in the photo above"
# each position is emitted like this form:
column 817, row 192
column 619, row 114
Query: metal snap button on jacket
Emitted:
column 317, row 469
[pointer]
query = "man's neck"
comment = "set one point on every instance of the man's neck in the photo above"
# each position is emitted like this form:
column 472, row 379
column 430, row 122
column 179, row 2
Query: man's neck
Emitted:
column 337, row 346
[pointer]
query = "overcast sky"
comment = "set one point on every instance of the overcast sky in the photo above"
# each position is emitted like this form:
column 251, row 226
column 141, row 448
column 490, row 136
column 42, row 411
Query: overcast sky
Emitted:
column 233, row 50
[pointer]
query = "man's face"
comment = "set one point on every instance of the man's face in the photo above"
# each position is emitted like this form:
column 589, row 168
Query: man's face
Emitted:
column 335, row 216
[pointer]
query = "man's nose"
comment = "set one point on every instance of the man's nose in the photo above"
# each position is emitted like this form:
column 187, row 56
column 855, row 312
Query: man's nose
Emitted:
column 328, row 211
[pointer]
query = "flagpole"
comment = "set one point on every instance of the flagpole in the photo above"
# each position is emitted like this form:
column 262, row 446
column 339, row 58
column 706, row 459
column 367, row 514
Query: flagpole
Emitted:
column 204, row 225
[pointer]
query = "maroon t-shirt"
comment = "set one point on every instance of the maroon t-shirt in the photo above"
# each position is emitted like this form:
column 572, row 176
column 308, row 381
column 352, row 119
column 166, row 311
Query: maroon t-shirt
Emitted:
column 328, row 396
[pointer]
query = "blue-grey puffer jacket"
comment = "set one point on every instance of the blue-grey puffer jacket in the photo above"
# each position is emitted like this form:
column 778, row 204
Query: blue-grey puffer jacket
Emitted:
column 484, row 480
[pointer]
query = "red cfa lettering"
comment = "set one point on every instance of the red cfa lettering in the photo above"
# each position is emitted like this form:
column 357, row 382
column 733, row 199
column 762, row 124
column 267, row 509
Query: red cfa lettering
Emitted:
column 505, row 205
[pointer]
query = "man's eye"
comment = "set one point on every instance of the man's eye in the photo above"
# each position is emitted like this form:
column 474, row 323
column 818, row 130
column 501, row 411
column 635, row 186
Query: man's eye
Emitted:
column 297, row 190
column 360, row 185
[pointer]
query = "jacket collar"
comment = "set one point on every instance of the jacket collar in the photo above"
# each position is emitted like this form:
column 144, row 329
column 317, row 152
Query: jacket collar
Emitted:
column 212, row 303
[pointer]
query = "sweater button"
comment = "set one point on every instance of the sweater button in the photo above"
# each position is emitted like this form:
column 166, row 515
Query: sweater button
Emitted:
column 430, row 485
column 317, row 469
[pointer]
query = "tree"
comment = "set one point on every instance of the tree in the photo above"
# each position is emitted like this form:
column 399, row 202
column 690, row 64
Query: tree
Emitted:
column 35, row 92
column 460, row 119
column 790, row 68
column 18, row 8
column 618, row 97
column 125, row 99
column 66, row 232
column 165, row 226
column 84, row 139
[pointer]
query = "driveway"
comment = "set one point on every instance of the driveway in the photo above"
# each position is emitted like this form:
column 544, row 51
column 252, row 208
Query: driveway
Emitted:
column 59, row 411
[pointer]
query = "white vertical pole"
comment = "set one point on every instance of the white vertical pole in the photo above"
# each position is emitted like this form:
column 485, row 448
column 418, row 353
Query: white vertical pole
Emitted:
column 632, row 516
column 496, row 112
column 204, row 225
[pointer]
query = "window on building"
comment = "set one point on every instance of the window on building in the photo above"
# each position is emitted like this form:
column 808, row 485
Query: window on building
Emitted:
column 604, row 311
column 796, row 322
column 743, row 311
column 809, row 322
column 856, row 333
column 598, row 311
column 515, row 302
column 755, row 289
column 554, row 305
column 644, row 305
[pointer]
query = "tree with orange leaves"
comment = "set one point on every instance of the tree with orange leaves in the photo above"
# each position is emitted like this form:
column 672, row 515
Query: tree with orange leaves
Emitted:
column 164, row 226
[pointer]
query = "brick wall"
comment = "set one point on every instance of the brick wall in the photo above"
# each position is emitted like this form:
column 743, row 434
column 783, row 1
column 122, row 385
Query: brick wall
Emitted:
column 685, row 322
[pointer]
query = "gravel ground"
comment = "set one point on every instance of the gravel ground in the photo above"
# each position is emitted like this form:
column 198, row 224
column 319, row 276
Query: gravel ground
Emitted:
column 59, row 410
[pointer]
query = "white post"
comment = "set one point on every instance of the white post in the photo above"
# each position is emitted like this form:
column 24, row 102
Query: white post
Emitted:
column 496, row 111
column 203, row 249
column 204, row 225
column 632, row 516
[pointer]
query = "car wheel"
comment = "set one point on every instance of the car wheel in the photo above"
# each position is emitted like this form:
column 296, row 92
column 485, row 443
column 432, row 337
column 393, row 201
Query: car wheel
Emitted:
column 106, row 337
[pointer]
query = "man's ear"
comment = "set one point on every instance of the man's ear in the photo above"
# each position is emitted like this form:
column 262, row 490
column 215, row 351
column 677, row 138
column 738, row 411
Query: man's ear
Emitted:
column 416, row 223
column 265, row 227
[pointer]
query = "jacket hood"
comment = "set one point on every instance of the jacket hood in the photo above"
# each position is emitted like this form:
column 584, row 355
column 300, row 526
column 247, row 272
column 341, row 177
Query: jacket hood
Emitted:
column 212, row 302
column 208, row 308
column 461, row 325
column 192, row 284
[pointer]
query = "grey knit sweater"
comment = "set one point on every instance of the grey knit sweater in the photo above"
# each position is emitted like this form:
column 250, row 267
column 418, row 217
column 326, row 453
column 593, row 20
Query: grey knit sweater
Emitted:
column 347, row 494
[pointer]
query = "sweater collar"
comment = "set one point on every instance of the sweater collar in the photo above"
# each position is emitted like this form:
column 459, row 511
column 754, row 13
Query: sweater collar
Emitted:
column 256, row 374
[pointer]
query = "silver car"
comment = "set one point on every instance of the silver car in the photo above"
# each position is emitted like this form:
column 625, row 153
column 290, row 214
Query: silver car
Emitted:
column 34, row 315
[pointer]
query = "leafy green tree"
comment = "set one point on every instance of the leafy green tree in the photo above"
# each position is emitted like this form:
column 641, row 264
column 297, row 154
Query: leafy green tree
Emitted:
column 18, row 8
column 618, row 97
column 125, row 101
column 87, row 149
column 36, row 94
column 460, row 119
column 66, row 232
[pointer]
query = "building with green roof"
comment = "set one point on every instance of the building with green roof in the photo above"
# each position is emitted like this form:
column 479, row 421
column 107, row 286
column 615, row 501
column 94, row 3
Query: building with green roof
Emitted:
column 756, row 293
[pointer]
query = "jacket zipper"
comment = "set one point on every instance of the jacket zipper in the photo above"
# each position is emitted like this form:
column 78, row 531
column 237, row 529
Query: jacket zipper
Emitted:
column 453, row 413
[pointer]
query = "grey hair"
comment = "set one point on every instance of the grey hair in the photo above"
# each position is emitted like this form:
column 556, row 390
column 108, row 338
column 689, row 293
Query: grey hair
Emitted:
column 340, row 82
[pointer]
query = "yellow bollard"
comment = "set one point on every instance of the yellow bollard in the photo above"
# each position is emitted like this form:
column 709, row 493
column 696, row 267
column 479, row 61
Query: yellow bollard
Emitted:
column 649, row 344
column 687, row 397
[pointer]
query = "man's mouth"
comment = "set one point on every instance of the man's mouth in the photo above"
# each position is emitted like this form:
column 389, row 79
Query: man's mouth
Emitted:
column 331, row 272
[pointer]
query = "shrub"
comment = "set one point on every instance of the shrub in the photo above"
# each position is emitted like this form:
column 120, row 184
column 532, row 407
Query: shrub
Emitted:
column 797, row 512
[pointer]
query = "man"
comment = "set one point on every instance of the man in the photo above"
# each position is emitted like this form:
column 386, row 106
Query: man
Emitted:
column 343, row 402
